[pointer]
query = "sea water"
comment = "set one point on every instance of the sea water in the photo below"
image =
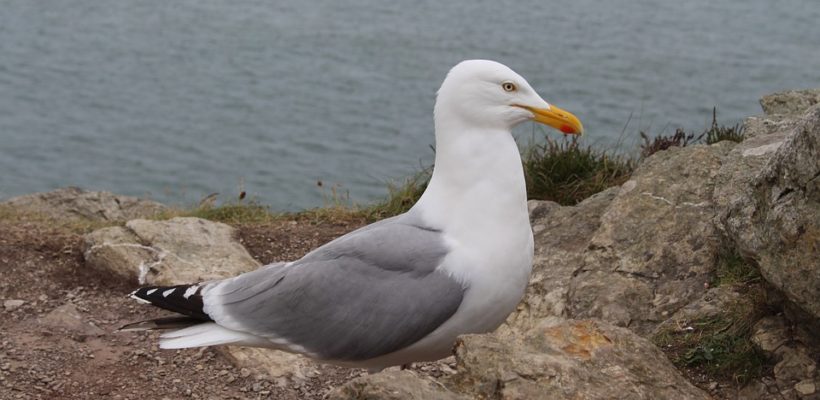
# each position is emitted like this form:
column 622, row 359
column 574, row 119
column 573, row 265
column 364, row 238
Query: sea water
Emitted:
column 175, row 100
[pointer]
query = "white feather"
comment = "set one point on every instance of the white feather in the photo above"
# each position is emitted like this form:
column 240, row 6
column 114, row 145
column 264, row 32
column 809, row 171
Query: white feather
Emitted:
column 207, row 334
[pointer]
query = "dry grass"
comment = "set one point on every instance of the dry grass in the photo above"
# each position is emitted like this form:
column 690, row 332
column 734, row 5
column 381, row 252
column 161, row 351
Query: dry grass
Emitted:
column 13, row 215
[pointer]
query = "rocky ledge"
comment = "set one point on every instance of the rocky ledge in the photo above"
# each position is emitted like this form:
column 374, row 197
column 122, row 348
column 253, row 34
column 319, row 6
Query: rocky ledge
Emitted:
column 705, row 242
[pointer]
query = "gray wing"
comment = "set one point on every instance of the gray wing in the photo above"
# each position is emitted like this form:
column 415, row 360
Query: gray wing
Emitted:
column 366, row 294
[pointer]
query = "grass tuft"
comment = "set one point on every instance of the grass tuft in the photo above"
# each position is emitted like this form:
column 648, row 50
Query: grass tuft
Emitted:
column 732, row 269
column 719, row 346
column 234, row 213
column 401, row 197
column 567, row 172
column 15, row 215
column 718, row 133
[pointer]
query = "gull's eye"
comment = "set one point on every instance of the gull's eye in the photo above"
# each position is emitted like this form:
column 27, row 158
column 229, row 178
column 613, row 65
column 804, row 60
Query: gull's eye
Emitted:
column 508, row 86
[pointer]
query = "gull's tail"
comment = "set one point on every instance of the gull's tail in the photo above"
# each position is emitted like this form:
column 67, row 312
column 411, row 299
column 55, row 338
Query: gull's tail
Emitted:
column 195, row 328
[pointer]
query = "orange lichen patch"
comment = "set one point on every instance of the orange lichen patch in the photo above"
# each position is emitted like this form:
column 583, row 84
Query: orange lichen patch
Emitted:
column 579, row 339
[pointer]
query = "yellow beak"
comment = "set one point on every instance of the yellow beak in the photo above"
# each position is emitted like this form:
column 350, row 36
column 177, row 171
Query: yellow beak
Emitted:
column 556, row 118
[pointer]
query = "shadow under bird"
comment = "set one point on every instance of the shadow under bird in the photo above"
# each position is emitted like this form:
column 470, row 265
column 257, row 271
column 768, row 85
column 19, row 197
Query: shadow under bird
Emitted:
column 402, row 289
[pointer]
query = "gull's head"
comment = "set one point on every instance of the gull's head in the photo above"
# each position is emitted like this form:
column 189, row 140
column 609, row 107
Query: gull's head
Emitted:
column 487, row 94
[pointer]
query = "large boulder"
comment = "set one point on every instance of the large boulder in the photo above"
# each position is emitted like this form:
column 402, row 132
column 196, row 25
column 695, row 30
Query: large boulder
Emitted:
column 769, row 204
column 78, row 204
column 656, row 246
column 631, row 255
column 559, row 359
column 176, row 251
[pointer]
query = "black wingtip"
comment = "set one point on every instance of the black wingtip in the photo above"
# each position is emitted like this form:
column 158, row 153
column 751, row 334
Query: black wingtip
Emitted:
column 183, row 299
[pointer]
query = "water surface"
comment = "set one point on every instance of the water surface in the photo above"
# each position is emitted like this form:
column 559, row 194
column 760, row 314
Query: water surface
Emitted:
column 176, row 100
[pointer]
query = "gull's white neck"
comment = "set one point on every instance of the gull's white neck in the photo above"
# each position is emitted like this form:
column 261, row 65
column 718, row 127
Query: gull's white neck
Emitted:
column 477, row 196
column 478, row 186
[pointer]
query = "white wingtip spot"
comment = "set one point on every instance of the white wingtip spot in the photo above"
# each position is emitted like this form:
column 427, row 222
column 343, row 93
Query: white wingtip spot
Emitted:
column 168, row 292
column 139, row 300
column 150, row 292
column 190, row 291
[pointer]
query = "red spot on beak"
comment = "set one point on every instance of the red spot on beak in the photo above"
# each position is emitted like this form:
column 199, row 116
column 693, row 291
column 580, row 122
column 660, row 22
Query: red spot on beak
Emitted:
column 567, row 129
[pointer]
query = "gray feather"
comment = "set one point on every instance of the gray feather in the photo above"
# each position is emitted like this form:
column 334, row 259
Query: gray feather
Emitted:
column 366, row 294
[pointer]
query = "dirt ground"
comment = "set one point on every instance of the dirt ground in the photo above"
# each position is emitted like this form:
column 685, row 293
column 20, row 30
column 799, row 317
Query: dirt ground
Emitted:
column 60, row 343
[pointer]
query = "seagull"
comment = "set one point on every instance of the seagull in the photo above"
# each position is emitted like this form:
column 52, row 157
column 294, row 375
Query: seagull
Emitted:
column 400, row 290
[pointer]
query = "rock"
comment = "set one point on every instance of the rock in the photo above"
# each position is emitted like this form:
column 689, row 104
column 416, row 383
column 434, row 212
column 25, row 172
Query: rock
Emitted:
column 539, row 208
column 561, row 240
column 758, row 390
column 67, row 319
column 172, row 252
column 76, row 203
column 274, row 363
column 790, row 102
column 805, row 387
column 394, row 385
column 633, row 255
column 11, row 305
column 567, row 359
column 657, row 243
column 768, row 204
column 795, row 366
column 787, row 346
column 770, row 335
column 559, row 359
column 738, row 174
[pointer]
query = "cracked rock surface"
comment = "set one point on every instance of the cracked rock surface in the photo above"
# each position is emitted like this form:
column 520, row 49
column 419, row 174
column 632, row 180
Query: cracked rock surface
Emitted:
column 632, row 255
column 770, row 205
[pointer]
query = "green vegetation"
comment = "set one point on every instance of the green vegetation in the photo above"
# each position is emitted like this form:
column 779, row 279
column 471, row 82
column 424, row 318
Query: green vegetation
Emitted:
column 230, row 213
column 567, row 172
column 718, row 346
column 400, row 197
column 717, row 133
column 733, row 269
column 13, row 215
